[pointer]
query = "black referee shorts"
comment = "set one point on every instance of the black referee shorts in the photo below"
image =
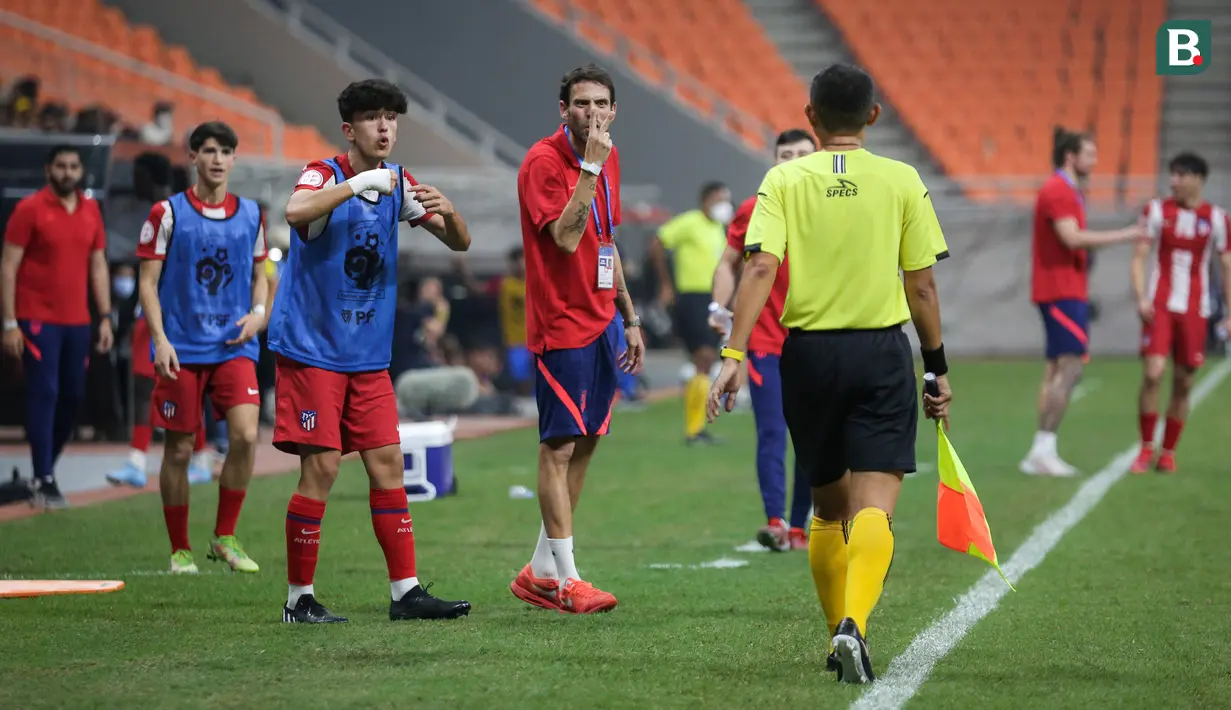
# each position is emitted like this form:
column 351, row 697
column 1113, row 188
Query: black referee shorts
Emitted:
column 850, row 401
column 691, row 316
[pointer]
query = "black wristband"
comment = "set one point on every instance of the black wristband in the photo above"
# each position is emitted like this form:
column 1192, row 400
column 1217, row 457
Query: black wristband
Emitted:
column 934, row 361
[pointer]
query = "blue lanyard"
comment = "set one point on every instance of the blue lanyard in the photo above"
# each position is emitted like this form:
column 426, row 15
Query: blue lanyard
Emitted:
column 1065, row 177
column 594, row 200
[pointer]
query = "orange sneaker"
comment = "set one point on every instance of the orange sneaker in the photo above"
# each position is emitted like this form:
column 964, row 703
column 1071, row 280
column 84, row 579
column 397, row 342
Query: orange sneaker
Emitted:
column 798, row 538
column 542, row 592
column 1145, row 457
column 1166, row 462
column 578, row 597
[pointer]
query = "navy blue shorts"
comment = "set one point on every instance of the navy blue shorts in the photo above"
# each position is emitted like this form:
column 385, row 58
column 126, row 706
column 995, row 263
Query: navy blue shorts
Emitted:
column 576, row 387
column 520, row 363
column 1067, row 326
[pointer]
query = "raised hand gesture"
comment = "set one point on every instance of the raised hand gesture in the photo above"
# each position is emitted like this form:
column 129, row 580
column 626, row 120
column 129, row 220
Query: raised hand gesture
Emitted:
column 598, row 138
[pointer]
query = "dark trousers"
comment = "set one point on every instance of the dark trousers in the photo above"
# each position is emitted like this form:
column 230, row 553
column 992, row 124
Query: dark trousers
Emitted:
column 56, row 358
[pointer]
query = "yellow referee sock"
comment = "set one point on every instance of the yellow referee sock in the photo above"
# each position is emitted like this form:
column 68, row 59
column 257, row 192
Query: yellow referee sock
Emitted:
column 827, row 558
column 869, row 553
column 695, row 394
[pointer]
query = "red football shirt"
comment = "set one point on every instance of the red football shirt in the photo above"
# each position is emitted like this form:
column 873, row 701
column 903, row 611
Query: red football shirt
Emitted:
column 54, row 275
column 1058, row 272
column 565, row 308
column 768, row 333
column 1186, row 238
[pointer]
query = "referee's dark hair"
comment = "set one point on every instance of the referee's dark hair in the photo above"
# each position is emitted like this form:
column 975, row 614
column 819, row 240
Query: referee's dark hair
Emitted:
column 58, row 150
column 843, row 98
column 1064, row 143
column 1189, row 162
column 370, row 95
column 711, row 187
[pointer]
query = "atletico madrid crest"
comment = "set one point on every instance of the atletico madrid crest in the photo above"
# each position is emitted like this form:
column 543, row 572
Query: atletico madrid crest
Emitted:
column 307, row 419
column 168, row 409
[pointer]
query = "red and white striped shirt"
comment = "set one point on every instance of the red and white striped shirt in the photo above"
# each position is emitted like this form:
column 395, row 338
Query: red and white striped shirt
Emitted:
column 1185, row 239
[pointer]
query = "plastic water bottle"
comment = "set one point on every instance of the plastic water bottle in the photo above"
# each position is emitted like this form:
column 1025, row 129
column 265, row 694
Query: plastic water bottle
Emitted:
column 520, row 493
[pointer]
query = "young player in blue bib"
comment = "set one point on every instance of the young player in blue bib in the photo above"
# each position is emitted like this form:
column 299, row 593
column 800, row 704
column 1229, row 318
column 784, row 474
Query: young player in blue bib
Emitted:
column 203, row 291
column 332, row 329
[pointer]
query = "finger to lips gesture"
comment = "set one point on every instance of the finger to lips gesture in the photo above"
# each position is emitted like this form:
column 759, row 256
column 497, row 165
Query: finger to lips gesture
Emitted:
column 432, row 200
column 598, row 142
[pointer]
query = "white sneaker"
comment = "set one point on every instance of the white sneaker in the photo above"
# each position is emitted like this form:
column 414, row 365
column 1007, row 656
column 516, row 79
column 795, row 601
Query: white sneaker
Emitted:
column 1040, row 464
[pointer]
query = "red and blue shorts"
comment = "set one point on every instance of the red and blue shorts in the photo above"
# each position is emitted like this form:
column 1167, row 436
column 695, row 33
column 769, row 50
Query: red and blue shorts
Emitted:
column 1066, row 324
column 576, row 387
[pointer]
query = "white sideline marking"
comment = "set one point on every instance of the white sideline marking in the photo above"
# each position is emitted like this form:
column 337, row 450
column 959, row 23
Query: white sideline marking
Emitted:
column 105, row 575
column 1083, row 389
column 908, row 671
column 722, row 563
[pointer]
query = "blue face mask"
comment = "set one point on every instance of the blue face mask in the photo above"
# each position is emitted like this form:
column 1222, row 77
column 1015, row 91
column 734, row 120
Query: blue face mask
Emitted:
column 124, row 286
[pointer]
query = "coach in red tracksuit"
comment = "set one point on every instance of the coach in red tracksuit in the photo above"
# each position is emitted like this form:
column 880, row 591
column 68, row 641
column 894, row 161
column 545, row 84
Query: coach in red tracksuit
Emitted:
column 53, row 246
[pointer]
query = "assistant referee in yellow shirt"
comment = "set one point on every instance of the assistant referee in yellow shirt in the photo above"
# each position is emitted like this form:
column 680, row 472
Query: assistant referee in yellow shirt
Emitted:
column 851, row 220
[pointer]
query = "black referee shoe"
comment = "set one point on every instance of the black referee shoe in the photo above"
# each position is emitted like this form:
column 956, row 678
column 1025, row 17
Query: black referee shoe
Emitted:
column 418, row 604
column 854, row 661
column 309, row 611
column 48, row 495
column 705, row 439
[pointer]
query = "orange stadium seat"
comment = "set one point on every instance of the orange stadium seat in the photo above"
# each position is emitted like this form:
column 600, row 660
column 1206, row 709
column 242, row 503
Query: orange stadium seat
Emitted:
column 79, row 78
column 980, row 86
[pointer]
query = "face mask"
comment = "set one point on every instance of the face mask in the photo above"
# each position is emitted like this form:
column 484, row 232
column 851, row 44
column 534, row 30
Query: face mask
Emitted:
column 124, row 286
column 722, row 212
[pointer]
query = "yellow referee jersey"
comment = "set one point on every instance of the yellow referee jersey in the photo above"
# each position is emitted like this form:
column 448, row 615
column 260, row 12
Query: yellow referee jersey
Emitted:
column 850, row 221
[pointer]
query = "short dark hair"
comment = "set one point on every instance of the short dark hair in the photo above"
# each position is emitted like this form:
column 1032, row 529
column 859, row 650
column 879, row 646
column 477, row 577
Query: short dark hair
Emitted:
column 711, row 187
column 1189, row 162
column 794, row 135
column 842, row 98
column 370, row 95
column 58, row 150
column 589, row 72
column 219, row 131
column 1065, row 142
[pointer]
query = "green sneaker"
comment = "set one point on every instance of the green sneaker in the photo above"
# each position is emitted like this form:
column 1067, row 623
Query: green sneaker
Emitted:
column 182, row 562
column 227, row 549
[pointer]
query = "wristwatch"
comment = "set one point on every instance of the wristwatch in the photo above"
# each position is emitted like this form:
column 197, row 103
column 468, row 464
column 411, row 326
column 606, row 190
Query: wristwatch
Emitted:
column 634, row 323
column 592, row 168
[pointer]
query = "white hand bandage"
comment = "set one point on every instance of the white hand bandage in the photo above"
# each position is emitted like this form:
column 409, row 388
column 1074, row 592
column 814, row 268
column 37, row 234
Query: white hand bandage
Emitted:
column 379, row 180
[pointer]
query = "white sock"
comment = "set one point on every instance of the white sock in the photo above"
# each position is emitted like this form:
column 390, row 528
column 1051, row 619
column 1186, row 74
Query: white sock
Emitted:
column 543, row 565
column 562, row 552
column 399, row 587
column 203, row 460
column 294, row 592
column 136, row 457
column 1044, row 443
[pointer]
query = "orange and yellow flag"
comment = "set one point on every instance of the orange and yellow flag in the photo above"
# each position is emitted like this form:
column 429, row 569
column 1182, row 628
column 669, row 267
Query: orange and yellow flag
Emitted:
column 960, row 522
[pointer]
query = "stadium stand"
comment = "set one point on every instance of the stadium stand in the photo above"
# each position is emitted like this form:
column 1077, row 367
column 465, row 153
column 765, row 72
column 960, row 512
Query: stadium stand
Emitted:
column 980, row 87
column 129, row 69
column 984, row 85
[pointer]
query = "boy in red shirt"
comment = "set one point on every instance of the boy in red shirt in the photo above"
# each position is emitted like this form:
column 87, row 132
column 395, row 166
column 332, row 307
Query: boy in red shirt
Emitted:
column 1060, row 288
column 569, row 192
column 765, row 348
column 53, row 247
column 1175, row 307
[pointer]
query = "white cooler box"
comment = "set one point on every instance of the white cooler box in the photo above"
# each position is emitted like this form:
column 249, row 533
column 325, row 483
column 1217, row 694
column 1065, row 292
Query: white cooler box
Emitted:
column 427, row 459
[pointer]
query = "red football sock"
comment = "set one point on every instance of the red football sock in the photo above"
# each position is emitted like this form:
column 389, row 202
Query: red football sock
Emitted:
column 1148, row 422
column 142, row 433
column 391, row 521
column 230, row 501
column 177, row 526
column 199, row 446
column 1171, row 433
column 303, row 538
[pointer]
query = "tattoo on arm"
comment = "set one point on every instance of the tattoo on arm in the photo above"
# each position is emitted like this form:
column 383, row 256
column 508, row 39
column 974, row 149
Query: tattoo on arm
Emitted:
column 579, row 222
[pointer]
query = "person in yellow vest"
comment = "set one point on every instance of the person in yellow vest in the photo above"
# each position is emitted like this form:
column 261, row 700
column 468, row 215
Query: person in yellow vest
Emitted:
column 696, row 239
column 511, row 305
